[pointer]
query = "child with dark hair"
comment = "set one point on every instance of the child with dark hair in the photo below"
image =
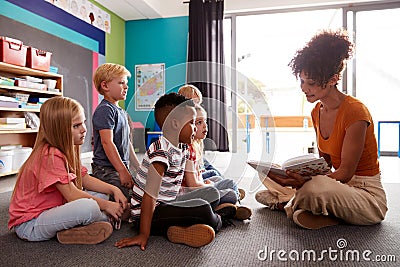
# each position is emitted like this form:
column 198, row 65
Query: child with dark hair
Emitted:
column 156, row 207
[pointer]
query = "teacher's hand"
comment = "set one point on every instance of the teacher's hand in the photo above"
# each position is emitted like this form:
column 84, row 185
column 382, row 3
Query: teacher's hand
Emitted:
column 292, row 179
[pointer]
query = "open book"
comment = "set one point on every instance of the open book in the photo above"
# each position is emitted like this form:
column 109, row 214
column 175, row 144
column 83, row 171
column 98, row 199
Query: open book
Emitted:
column 306, row 165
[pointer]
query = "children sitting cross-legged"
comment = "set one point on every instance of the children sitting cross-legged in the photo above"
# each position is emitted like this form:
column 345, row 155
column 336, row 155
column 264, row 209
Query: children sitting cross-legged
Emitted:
column 157, row 208
column 193, row 179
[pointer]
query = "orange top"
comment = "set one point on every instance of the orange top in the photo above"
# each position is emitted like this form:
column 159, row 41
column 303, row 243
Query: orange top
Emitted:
column 350, row 111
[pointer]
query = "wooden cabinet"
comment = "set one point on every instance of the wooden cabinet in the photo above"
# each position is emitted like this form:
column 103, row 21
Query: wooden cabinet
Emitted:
column 25, row 137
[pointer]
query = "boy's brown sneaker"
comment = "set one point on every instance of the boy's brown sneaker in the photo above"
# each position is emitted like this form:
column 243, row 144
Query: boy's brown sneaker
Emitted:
column 306, row 219
column 226, row 210
column 242, row 193
column 243, row 213
column 93, row 233
column 196, row 235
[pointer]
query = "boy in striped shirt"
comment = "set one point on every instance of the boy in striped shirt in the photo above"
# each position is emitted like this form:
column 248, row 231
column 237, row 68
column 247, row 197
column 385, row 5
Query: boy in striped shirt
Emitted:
column 155, row 205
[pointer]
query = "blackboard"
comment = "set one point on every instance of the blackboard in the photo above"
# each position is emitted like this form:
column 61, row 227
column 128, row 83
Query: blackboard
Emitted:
column 73, row 62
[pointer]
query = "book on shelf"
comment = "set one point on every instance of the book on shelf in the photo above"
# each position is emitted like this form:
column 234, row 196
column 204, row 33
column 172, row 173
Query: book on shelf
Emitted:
column 32, row 85
column 8, row 102
column 12, row 126
column 10, row 146
column 8, row 99
column 32, row 79
column 39, row 100
column 30, row 105
column 6, row 81
column 305, row 165
column 11, row 120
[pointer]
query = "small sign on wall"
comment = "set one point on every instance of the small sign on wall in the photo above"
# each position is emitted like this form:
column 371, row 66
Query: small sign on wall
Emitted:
column 86, row 11
column 149, row 85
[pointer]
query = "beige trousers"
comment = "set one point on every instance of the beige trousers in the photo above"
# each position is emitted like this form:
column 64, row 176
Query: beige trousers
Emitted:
column 361, row 201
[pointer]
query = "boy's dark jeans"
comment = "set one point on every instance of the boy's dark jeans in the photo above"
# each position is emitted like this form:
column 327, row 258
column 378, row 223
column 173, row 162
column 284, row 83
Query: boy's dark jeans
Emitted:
column 111, row 176
column 196, row 207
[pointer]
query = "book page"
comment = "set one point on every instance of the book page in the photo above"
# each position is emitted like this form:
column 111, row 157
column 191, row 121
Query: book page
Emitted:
column 309, row 167
column 267, row 167
column 298, row 159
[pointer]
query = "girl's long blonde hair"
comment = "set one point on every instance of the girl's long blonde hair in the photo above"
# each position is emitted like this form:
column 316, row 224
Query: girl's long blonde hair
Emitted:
column 55, row 131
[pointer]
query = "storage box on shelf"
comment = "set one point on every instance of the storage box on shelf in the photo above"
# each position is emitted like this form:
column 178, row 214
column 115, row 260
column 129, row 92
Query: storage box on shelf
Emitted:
column 25, row 137
column 38, row 59
column 12, row 51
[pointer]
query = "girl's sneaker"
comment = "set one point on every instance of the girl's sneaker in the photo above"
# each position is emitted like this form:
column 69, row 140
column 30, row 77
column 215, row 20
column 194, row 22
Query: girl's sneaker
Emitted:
column 93, row 233
column 196, row 235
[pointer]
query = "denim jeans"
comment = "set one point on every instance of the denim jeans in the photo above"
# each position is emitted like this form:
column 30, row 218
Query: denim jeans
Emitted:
column 82, row 211
column 228, row 190
column 210, row 170
column 223, row 184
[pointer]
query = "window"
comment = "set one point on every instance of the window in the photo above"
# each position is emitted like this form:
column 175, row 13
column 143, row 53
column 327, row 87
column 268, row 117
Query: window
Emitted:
column 265, row 44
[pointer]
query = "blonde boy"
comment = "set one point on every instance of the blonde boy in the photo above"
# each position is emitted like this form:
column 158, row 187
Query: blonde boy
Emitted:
column 113, row 152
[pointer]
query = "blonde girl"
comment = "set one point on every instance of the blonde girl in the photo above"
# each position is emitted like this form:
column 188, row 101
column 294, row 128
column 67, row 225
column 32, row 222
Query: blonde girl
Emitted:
column 229, row 194
column 48, row 199
column 191, row 92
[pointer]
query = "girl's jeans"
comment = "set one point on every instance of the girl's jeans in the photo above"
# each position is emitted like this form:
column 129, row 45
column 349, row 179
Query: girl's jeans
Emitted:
column 82, row 211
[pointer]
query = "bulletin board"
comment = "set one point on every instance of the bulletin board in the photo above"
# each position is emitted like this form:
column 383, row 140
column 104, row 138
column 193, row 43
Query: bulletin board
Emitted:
column 149, row 85
column 73, row 62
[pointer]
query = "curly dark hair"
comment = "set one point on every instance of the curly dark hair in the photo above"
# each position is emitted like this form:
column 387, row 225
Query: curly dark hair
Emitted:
column 166, row 103
column 323, row 56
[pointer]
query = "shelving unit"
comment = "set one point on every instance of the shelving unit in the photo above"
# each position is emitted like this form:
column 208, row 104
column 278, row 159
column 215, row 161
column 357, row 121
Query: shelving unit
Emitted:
column 25, row 137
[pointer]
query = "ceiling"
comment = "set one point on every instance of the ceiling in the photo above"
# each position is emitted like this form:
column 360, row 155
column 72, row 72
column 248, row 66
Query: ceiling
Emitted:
column 146, row 9
column 151, row 9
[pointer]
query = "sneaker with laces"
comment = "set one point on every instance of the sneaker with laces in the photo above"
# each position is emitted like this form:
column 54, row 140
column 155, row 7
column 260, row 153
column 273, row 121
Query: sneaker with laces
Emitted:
column 226, row 210
column 306, row 219
column 266, row 198
column 196, row 235
column 93, row 233
column 243, row 213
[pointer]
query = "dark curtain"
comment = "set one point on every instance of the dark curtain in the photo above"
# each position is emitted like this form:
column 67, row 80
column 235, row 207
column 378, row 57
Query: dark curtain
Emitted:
column 205, row 67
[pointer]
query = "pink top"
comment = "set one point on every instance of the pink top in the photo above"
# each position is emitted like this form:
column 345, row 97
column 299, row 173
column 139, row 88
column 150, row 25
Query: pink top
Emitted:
column 35, row 190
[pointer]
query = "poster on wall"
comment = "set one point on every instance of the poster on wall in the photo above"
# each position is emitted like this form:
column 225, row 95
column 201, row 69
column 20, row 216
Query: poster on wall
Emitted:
column 149, row 85
column 86, row 11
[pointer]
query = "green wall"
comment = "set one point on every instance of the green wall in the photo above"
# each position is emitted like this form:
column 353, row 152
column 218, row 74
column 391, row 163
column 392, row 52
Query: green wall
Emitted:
column 156, row 41
column 115, row 40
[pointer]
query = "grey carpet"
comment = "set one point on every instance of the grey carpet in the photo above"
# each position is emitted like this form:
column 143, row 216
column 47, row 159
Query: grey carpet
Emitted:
column 236, row 245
